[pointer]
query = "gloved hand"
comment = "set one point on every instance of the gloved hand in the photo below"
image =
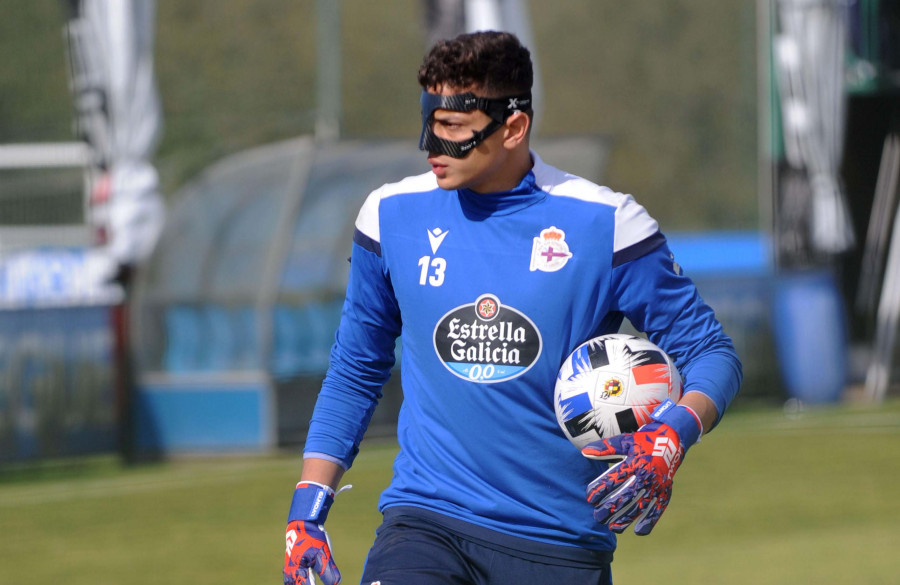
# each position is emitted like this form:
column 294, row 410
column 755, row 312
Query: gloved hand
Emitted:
column 308, row 545
column 639, row 486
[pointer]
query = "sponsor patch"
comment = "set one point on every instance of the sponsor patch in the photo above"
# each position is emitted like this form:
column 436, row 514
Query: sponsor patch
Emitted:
column 486, row 341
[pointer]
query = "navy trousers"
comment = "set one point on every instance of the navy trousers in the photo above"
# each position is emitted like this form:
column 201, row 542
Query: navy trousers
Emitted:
column 409, row 551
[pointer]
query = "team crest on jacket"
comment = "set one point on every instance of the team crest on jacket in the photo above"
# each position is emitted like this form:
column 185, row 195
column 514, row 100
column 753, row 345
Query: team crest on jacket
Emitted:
column 486, row 341
column 550, row 252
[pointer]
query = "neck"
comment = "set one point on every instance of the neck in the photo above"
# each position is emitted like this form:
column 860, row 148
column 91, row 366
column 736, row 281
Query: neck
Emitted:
column 513, row 171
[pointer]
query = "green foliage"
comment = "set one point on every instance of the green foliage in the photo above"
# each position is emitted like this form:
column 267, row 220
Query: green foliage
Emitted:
column 671, row 84
column 34, row 94
column 765, row 498
column 231, row 75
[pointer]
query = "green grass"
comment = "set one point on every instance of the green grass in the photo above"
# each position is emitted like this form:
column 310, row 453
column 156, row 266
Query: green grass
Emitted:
column 764, row 499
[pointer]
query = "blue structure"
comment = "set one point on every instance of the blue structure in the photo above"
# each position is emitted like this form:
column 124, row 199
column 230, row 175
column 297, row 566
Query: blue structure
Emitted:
column 788, row 326
column 57, row 365
column 236, row 313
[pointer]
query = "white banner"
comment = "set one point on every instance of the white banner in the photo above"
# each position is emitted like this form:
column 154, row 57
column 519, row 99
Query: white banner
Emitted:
column 120, row 117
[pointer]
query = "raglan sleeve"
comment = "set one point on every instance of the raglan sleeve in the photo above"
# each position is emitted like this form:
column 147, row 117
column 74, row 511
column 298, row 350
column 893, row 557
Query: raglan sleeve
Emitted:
column 362, row 356
column 651, row 289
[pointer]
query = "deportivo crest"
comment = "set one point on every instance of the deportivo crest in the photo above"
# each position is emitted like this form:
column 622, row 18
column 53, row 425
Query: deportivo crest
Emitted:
column 486, row 341
column 550, row 252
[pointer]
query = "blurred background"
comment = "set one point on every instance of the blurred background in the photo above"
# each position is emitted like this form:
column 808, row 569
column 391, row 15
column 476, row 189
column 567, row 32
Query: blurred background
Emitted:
column 178, row 184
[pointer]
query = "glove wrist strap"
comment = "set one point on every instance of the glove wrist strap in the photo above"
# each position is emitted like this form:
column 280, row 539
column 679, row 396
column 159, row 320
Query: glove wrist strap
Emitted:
column 681, row 418
column 311, row 502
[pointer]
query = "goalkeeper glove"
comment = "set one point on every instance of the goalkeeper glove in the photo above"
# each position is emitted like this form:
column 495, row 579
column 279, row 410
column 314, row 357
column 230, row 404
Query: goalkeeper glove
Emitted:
column 308, row 545
column 639, row 486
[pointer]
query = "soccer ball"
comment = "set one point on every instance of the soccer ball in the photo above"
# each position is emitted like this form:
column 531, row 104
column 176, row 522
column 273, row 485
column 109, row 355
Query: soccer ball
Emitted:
column 610, row 384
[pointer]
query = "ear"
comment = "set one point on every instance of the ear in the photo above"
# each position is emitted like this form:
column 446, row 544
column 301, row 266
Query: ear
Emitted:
column 516, row 130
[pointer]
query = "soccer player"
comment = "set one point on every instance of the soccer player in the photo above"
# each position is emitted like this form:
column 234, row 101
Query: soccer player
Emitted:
column 490, row 269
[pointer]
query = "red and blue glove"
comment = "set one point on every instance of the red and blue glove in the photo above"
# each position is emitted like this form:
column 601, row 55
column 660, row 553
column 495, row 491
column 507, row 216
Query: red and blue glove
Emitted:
column 639, row 486
column 308, row 545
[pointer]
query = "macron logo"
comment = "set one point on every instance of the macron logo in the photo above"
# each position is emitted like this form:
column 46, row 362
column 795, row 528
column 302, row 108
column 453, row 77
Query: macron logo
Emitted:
column 435, row 237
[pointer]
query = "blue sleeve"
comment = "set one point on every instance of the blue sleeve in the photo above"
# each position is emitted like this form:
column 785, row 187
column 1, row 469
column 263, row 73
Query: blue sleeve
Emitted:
column 361, row 361
column 660, row 301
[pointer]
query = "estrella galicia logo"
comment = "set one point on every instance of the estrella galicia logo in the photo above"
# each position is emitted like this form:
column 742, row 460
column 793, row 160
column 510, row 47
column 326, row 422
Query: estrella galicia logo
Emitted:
column 487, row 342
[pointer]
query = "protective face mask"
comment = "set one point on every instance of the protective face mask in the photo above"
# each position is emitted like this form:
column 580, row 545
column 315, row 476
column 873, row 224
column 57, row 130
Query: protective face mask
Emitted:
column 498, row 109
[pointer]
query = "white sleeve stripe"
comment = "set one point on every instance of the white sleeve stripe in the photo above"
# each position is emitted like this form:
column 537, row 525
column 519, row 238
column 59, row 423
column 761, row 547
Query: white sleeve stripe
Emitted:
column 633, row 224
column 367, row 220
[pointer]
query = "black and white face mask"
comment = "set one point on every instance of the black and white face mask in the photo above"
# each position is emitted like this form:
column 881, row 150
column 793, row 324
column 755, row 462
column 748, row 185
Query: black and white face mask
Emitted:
column 498, row 109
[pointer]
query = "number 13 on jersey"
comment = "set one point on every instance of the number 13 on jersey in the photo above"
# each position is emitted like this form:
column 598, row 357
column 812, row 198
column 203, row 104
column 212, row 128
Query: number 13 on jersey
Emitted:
column 431, row 270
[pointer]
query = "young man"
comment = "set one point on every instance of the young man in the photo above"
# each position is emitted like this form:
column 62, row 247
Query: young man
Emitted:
column 491, row 269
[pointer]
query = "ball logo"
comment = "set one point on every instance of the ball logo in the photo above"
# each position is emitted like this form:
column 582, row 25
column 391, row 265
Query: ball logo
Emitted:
column 612, row 387
column 486, row 341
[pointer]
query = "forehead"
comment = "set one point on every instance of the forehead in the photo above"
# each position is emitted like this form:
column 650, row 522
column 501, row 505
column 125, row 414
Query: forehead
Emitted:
column 446, row 89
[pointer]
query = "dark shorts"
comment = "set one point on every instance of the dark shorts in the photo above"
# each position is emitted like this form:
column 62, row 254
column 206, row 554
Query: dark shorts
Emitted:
column 412, row 549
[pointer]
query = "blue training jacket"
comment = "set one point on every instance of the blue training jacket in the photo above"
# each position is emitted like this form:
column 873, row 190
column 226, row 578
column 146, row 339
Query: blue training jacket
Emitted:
column 488, row 294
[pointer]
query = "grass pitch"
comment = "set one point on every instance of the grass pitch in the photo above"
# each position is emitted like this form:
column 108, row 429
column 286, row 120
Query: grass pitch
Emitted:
column 766, row 498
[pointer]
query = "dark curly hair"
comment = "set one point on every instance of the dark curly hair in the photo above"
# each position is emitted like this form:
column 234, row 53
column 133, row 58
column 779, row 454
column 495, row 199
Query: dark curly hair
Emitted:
column 495, row 64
